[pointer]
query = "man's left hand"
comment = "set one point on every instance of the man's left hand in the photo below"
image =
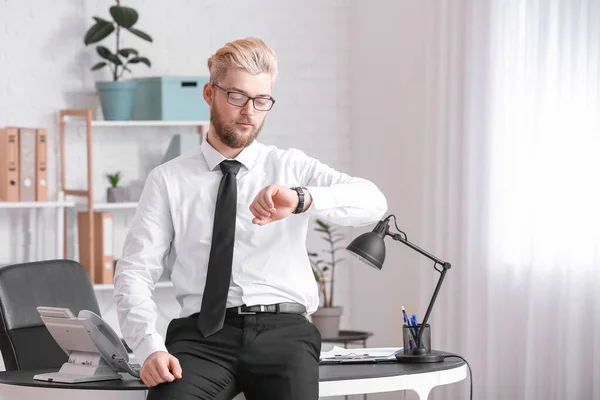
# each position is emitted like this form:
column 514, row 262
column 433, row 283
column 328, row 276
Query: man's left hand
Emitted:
column 276, row 202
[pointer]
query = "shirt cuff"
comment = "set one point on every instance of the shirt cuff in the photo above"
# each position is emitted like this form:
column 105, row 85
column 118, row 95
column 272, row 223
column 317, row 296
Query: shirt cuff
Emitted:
column 147, row 346
column 321, row 199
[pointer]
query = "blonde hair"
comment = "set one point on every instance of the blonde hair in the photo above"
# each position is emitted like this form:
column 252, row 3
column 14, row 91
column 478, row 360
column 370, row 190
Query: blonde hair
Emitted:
column 251, row 54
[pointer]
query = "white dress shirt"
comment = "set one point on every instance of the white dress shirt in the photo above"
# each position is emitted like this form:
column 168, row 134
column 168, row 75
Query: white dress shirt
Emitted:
column 173, row 225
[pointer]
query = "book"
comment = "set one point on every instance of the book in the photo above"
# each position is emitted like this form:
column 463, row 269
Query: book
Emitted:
column 41, row 165
column 9, row 164
column 102, row 268
column 27, row 164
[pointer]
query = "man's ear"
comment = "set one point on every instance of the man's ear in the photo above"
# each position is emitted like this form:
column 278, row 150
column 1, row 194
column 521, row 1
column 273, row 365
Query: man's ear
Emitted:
column 208, row 93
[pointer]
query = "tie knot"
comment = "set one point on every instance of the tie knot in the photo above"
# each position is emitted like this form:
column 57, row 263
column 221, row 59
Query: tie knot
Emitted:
column 230, row 166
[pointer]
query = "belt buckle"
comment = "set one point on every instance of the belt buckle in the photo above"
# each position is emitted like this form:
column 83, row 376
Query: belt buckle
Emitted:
column 240, row 312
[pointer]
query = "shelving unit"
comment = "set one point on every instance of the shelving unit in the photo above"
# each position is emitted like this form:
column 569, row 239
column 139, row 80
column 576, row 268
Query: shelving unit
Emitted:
column 110, row 286
column 36, row 204
column 84, row 117
column 109, row 206
column 132, row 124
column 60, row 206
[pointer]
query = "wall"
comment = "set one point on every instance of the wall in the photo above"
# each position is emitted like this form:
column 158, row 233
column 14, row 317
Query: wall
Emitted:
column 388, row 112
column 44, row 66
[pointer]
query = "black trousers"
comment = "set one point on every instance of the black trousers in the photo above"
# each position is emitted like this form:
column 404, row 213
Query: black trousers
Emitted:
column 265, row 356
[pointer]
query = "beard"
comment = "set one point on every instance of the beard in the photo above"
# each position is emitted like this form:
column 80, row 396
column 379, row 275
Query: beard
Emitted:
column 229, row 132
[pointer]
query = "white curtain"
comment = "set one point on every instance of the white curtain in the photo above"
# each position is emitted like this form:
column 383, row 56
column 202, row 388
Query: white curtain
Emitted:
column 512, row 161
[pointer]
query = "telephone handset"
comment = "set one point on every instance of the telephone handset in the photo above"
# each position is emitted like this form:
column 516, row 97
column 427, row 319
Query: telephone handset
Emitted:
column 94, row 349
column 108, row 343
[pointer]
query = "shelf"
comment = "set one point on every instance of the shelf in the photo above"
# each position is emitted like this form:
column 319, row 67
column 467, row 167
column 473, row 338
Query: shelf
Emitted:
column 107, row 206
column 133, row 124
column 36, row 204
column 115, row 206
column 110, row 286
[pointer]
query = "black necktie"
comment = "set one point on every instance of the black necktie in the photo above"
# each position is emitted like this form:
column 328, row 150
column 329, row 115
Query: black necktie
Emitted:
column 214, row 300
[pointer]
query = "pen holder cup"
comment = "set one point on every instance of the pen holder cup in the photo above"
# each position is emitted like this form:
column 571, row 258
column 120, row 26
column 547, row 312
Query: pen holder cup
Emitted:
column 409, row 336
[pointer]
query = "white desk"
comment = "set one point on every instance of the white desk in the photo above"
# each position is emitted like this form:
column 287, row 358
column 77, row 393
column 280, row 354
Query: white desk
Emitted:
column 335, row 380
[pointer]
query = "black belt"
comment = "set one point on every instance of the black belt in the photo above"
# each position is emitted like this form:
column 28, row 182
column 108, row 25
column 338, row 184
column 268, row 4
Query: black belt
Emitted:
column 280, row 308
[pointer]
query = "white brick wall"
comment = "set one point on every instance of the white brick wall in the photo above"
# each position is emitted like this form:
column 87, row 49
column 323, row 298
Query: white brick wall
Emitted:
column 44, row 66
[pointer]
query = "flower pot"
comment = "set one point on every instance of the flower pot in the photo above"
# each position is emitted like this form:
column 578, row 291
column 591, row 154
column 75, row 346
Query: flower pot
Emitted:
column 116, row 194
column 327, row 320
column 116, row 99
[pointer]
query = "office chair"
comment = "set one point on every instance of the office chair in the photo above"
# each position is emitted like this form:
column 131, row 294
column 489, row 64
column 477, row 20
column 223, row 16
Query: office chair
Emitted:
column 25, row 342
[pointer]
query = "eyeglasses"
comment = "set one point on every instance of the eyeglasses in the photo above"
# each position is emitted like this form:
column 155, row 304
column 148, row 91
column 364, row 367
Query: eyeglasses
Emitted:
column 240, row 100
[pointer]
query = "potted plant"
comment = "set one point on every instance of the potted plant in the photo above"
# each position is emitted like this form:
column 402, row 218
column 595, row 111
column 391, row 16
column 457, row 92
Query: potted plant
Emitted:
column 117, row 97
column 115, row 193
column 327, row 316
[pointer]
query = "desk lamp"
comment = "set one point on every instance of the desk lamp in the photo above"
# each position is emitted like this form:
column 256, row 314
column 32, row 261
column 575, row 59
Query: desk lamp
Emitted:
column 370, row 249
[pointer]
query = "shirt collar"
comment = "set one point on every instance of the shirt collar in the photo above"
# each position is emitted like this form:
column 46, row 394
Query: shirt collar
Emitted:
column 213, row 158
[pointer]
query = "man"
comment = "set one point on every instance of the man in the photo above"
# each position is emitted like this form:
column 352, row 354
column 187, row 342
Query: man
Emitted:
column 234, row 214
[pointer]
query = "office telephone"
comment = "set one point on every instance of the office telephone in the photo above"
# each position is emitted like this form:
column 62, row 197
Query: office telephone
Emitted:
column 95, row 351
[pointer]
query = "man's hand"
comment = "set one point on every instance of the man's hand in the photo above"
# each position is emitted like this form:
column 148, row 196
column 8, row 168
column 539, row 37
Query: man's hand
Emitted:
column 160, row 367
column 276, row 202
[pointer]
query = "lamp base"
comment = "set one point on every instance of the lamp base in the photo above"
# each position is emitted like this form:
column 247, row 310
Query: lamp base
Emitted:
column 432, row 357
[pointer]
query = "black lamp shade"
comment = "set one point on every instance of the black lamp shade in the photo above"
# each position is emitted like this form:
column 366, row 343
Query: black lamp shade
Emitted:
column 369, row 248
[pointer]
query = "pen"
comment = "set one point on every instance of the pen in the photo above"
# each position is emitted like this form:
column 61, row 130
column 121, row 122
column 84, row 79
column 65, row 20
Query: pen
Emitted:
column 416, row 325
column 407, row 322
column 413, row 320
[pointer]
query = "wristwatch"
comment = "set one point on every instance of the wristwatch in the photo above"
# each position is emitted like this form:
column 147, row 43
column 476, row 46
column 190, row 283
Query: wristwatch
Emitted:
column 300, row 192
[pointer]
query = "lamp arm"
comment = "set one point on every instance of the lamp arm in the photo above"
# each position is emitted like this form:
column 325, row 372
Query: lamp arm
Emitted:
column 445, row 267
column 398, row 237
column 431, row 302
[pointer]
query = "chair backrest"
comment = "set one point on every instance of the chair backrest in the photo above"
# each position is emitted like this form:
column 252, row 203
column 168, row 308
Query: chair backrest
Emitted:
column 24, row 340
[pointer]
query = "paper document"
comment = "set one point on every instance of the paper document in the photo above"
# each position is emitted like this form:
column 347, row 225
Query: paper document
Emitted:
column 339, row 355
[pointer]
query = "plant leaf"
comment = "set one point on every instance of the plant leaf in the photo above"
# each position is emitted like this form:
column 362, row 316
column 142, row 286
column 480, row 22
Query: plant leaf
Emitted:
column 107, row 55
column 320, row 230
column 98, row 66
column 322, row 224
column 124, row 16
column 127, row 52
column 142, row 60
column 312, row 254
column 114, row 178
column 141, row 34
column 317, row 277
column 98, row 19
column 98, row 32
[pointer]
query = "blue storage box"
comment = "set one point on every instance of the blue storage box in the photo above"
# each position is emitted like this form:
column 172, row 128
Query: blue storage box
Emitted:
column 170, row 98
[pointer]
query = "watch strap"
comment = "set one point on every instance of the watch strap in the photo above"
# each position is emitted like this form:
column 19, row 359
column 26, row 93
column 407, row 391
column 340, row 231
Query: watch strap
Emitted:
column 300, row 192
